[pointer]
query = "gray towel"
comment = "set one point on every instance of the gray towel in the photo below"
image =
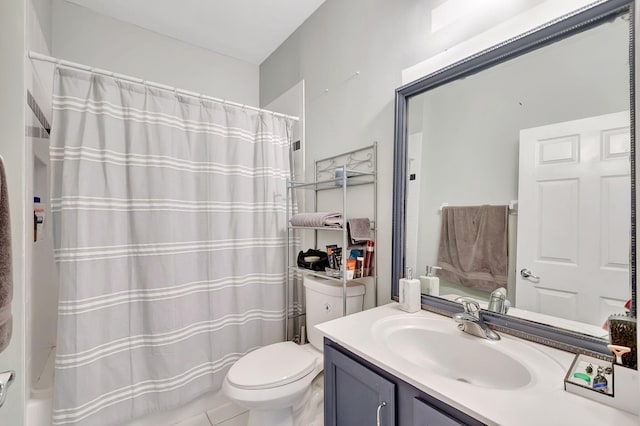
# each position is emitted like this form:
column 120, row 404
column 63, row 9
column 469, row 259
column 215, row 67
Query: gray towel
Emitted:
column 473, row 248
column 6, row 276
column 320, row 219
column 359, row 230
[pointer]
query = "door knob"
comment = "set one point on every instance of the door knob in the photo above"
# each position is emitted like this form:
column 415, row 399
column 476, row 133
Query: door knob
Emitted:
column 6, row 379
column 525, row 273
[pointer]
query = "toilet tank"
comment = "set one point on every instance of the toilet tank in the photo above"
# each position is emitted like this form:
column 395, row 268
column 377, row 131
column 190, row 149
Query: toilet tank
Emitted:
column 323, row 299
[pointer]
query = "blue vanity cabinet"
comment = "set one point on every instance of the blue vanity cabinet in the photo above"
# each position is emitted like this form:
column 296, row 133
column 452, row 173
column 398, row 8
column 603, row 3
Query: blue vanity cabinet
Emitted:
column 355, row 395
column 424, row 414
column 355, row 390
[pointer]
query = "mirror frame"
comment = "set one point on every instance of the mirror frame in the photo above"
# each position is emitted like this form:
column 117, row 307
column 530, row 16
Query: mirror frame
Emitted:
column 562, row 27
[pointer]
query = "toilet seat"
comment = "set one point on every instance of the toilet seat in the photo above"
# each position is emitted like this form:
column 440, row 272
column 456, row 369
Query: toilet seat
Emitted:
column 271, row 366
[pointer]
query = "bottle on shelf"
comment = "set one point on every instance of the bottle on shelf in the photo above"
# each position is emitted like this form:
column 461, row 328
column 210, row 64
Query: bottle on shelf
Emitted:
column 368, row 260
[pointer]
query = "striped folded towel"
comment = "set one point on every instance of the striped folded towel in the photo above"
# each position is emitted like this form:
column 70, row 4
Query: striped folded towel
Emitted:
column 330, row 219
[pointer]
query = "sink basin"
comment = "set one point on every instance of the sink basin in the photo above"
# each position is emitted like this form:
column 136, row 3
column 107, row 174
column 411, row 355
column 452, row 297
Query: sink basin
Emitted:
column 438, row 346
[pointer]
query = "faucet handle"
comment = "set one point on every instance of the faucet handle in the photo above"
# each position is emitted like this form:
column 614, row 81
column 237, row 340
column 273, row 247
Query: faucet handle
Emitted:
column 471, row 306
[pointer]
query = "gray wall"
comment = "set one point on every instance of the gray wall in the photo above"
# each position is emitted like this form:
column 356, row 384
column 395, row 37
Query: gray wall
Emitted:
column 378, row 38
column 81, row 35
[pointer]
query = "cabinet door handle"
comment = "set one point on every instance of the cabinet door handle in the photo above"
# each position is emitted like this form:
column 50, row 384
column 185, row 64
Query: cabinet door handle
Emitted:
column 378, row 421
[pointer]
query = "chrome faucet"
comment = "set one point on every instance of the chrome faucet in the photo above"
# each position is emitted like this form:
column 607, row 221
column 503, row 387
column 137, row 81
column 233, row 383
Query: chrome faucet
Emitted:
column 498, row 301
column 470, row 320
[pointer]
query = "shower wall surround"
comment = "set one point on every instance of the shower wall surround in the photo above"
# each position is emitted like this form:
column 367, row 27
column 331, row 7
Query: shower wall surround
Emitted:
column 169, row 226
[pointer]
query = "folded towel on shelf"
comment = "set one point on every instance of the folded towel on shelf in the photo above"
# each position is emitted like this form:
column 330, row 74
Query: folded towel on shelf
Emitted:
column 319, row 219
column 6, row 276
column 359, row 230
column 473, row 248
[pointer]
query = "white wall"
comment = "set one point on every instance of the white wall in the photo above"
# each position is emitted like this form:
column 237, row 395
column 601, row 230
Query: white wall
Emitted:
column 39, row 24
column 378, row 38
column 13, row 150
column 83, row 36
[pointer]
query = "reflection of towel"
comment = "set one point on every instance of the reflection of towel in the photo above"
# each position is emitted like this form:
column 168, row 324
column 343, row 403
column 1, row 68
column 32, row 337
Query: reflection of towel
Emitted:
column 474, row 245
column 333, row 219
column 6, row 277
column 359, row 230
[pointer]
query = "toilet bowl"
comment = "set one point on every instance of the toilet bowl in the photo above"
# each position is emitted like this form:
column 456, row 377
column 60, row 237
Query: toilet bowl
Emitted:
column 273, row 379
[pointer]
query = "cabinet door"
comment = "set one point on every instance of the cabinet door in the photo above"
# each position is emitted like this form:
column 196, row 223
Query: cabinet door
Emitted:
column 355, row 395
column 426, row 415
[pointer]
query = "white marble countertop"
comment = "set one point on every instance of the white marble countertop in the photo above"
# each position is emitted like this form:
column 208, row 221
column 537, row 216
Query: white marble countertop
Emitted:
column 529, row 405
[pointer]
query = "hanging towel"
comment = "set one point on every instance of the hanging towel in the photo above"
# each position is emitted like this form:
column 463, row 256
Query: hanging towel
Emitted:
column 6, row 277
column 359, row 230
column 319, row 219
column 473, row 248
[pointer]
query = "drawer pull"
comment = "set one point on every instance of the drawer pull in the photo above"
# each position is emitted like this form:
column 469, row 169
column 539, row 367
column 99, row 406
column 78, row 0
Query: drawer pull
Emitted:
column 382, row 404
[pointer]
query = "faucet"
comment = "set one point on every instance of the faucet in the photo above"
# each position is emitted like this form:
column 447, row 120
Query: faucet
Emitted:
column 470, row 320
column 498, row 301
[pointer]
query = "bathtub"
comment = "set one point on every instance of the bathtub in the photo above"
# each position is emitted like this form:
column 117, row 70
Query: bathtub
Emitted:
column 39, row 404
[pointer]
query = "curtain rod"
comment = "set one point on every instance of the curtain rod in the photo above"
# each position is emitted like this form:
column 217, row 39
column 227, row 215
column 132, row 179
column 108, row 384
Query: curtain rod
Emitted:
column 60, row 62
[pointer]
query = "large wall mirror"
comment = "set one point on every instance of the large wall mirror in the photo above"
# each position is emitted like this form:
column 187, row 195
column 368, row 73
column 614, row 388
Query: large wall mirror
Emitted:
column 514, row 174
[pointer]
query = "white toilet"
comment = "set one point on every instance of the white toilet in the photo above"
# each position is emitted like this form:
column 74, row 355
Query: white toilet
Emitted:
column 271, row 380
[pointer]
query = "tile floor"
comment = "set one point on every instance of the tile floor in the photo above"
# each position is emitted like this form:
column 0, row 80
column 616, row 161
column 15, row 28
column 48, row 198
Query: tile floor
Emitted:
column 310, row 412
column 204, row 420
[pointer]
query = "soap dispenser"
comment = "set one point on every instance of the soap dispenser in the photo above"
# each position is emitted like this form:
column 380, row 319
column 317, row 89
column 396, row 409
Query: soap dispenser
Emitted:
column 429, row 283
column 409, row 293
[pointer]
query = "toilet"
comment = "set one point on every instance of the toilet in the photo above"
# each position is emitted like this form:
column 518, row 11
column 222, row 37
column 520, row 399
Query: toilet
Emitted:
column 271, row 380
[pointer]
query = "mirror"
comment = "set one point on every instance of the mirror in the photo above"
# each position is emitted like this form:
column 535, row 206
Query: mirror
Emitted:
column 515, row 175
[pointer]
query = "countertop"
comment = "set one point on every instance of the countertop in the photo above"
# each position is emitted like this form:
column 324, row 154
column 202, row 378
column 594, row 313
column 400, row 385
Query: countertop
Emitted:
column 523, row 406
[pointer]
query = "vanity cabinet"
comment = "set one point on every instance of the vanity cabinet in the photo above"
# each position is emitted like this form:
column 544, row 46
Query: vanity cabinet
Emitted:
column 358, row 393
column 355, row 395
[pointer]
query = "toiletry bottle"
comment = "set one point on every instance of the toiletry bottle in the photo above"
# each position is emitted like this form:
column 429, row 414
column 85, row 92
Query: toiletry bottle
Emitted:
column 429, row 283
column 409, row 293
column 368, row 259
column 360, row 267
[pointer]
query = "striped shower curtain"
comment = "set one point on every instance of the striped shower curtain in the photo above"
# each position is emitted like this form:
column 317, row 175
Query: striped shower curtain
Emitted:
column 169, row 229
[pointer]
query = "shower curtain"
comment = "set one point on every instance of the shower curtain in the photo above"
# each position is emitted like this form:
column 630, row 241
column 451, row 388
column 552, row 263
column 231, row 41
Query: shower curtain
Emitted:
column 169, row 227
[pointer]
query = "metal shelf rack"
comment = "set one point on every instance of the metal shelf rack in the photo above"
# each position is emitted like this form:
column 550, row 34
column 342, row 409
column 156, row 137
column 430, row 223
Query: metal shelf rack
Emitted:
column 337, row 173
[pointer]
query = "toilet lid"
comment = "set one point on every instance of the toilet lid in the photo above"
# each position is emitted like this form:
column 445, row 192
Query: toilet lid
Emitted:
column 271, row 366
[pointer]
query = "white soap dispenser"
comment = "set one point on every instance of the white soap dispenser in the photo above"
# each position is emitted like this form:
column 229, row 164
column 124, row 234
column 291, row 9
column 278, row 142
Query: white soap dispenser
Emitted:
column 429, row 283
column 409, row 293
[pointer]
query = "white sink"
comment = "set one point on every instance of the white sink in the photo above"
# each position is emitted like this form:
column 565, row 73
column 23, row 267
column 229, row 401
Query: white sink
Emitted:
column 438, row 346
column 506, row 382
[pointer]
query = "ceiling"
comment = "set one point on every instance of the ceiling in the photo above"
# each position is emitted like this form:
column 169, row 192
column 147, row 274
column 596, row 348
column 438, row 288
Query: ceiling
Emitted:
column 249, row 30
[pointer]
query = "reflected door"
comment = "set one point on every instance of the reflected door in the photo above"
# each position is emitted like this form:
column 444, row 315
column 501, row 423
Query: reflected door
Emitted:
column 574, row 218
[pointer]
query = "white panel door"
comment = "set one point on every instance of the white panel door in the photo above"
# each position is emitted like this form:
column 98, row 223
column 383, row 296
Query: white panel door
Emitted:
column 574, row 204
